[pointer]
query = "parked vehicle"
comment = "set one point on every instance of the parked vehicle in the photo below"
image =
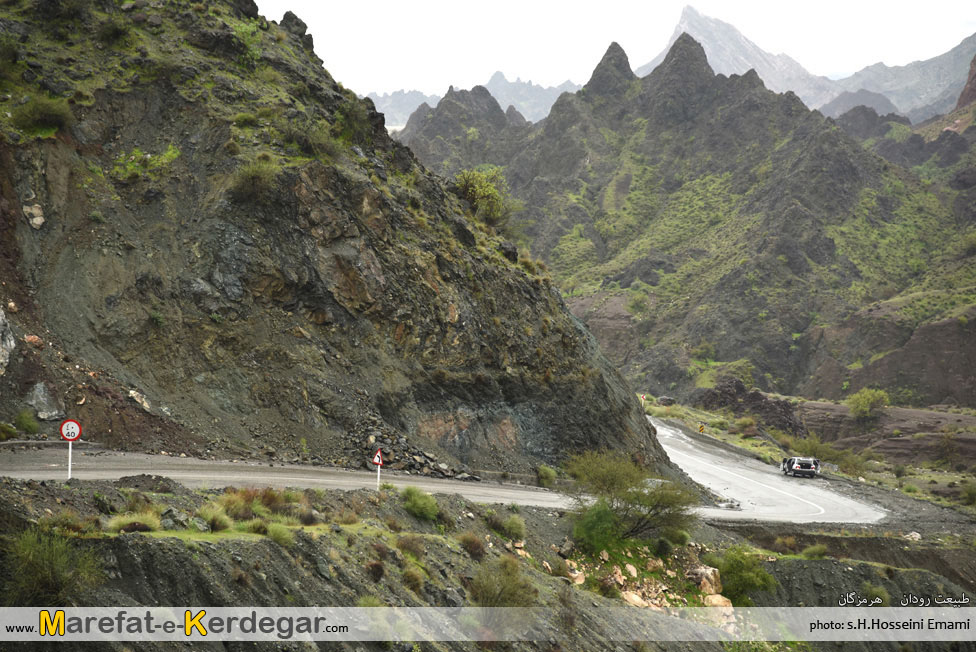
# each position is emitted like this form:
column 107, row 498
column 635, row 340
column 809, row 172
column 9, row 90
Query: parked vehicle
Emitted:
column 808, row 466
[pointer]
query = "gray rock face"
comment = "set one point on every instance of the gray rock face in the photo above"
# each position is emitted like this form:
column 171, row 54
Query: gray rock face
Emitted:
column 7, row 342
column 47, row 406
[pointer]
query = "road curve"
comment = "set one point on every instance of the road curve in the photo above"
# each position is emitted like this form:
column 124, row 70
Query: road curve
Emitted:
column 51, row 464
column 762, row 492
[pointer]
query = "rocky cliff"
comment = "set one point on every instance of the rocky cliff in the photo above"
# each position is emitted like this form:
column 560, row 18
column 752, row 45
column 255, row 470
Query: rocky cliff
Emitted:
column 209, row 245
column 703, row 226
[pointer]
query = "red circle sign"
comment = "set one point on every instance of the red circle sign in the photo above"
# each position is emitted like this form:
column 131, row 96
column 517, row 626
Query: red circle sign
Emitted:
column 70, row 430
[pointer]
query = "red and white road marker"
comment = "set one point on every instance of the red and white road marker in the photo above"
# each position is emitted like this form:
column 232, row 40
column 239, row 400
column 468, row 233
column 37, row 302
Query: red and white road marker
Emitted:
column 70, row 431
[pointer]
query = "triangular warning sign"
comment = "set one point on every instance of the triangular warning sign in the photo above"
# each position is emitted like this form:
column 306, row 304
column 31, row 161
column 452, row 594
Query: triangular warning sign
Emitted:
column 378, row 458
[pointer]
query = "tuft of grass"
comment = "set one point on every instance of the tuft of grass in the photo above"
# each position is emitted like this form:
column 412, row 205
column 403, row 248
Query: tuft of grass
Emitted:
column 473, row 545
column 42, row 113
column 281, row 535
column 910, row 489
column 514, row 527
column 246, row 120
column 67, row 521
column 413, row 545
column 873, row 591
column 215, row 516
column 255, row 180
column 45, row 569
column 25, row 422
column 376, row 570
column 816, row 551
column 112, row 31
column 369, row 601
column 134, row 522
column 347, row 517
column 419, row 503
column 413, row 579
column 254, row 526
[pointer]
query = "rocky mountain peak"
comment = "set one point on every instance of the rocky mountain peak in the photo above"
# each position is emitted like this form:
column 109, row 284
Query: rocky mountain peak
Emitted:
column 968, row 95
column 687, row 55
column 612, row 73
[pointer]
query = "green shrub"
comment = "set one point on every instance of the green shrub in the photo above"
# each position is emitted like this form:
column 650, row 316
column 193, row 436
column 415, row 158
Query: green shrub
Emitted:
column 968, row 494
column 44, row 569
column 347, row 517
column 67, row 521
column 816, row 551
column 42, row 113
column 311, row 138
column 134, row 522
column 514, row 527
column 25, row 422
column 900, row 470
column 281, row 535
column 595, row 529
column 741, row 574
column 367, row 601
column 546, row 475
column 419, row 503
column 486, row 189
column 864, row 403
column 255, row 180
column 246, row 120
column 413, row 579
column 215, row 517
column 785, row 544
column 639, row 508
column 872, row 591
column 663, row 548
column 7, row 431
column 910, row 489
column 254, row 526
column 501, row 584
column 676, row 536
column 718, row 424
column 112, row 31
column 473, row 545
column 412, row 544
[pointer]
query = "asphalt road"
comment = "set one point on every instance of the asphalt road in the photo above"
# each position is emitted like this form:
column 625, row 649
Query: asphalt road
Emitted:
column 51, row 464
column 762, row 492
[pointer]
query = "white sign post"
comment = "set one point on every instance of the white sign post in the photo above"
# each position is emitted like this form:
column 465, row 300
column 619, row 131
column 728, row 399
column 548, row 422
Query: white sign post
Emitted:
column 70, row 431
column 378, row 461
column 642, row 401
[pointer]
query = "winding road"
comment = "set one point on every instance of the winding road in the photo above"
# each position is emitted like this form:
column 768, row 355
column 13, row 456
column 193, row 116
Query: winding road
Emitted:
column 759, row 491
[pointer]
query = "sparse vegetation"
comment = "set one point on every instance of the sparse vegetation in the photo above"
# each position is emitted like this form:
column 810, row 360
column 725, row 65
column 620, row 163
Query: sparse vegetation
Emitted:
column 215, row 517
column 816, row 551
column 546, row 475
column 501, row 584
column 255, row 180
column 741, row 574
column 134, row 522
column 45, row 569
column 25, row 422
column 412, row 544
column 865, row 402
column 413, row 579
column 280, row 535
column 486, row 189
column 419, row 503
column 42, row 113
column 473, row 545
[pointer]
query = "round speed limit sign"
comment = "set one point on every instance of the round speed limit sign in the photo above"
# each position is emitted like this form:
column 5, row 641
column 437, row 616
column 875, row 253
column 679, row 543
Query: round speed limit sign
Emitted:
column 70, row 430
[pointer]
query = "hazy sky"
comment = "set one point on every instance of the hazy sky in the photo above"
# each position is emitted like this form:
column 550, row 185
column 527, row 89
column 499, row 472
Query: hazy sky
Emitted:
column 427, row 45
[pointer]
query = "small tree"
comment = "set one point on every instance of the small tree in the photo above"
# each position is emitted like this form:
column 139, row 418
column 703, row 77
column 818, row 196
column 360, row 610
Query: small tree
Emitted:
column 741, row 574
column 486, row 189
column 864, row 403
column 639, row 503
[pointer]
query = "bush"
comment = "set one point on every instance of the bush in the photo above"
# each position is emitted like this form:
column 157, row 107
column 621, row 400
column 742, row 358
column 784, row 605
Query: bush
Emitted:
column 473, row 545
column 816, row 551
column 514, row 527
column 311, row 138
column 43, row 113
column 412, row 544
column 347, row 517
column 138, row 522
column 785, row 544
column 638, row 510
column 393, row 524
column 376, row 570
column 246, row 120
column 215, row 517
column 369, row 601
column 596, row 528
column 676, row 536
column 900, row 470
column 741, row 574
column 419, row 503
column 910, row 489
column 546, row 475
column 281, row 535
column 413, row 579
column 255, row 180
column 254, row 526
column 663, row 548
column 864, row 403
column 68, row 521
column 486, row 189
column 501, row 584
column 112, row 30
column 25, row 422
column 872, row 591
column 968, row 494
column 44, row 569
column 7, row 431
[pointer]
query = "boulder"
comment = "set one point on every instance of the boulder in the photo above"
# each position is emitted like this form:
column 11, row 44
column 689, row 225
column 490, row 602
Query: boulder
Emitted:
column 47, row 406
column 634, row 599
column 707, row 578
column 665, row 400
column 631, row 570
column 7, row 342
column 716, row 600
column 654, row 565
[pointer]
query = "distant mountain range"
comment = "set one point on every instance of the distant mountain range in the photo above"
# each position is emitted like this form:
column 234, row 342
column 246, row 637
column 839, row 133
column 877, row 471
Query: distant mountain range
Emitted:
column 531, row 100
column 919, row 90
